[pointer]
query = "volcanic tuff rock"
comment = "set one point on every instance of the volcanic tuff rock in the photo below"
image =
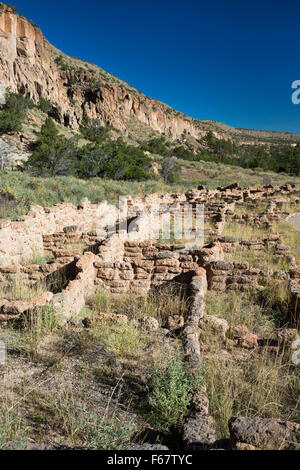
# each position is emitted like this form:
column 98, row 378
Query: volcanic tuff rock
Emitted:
column 29, row 64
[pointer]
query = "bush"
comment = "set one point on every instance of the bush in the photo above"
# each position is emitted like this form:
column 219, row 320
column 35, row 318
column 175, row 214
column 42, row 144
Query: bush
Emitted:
column 45, row 105
column 52, row 153
column 92, row 130
column 14, row 112
column 12, row 8
column 183, row 153
column 157, row 146
column 171, row 170
column 170, row 390
column 113, row 159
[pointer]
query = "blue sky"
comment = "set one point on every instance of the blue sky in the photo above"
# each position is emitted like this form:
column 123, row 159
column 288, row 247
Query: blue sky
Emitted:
column 231, row 61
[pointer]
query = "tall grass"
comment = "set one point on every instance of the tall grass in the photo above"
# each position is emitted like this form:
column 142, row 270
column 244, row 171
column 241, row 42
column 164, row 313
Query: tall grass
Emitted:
column 123, row 339
column 263, row 259
column 17, row 288
column 261, row 386
column 24, row 190
column 160, row 303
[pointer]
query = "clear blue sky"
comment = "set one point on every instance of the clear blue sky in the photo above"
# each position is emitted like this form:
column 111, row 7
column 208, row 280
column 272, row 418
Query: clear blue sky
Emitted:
column 231, row 61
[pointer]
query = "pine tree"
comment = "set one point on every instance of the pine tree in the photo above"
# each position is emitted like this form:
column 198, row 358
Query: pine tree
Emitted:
column 52, row 154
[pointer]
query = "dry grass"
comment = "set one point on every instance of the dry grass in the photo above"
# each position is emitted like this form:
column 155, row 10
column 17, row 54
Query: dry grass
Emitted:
column 250, row 383
column 264, row 259
column 159, row 304
column 17, row 288
column 244, row 231
column 124, row 340
column 253, row 208
column 241, row 309
column 290, row 235
column 11, row 424
column 40, row 258
column 259, row 386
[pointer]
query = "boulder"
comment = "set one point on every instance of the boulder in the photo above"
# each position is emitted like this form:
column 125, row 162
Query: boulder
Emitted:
column 149, row 323
column 199, row 432
column 265, row 433
column 244, row 337
column 218, row 325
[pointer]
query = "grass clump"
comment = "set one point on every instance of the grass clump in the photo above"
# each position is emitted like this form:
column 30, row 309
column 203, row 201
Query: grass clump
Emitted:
column 170, row 390
column 239, row 309
column 160, row 304
column 290, row 235
column 264, row 259
column 16, row 288
column 40, row 258
column 124, row 339
column 111, row 432
column 243, row 231
column 11, row 432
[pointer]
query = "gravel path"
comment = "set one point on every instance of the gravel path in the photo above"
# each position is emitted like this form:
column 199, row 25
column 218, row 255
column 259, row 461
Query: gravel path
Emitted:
column 295, row 221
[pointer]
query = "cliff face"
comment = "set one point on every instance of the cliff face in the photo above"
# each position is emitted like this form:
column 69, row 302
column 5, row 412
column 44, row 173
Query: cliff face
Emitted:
column 27, row 65
column 32, row 66
column 26, row 61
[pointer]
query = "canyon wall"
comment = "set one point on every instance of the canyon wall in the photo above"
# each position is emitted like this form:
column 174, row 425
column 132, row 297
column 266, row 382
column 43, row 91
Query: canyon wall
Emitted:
column 27, row 65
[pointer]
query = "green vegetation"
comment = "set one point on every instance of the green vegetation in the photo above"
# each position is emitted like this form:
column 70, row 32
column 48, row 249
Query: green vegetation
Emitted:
column 13, row 112
column 54, row 154
column 265, row 386
column 111, row 432
column 170, row 390
column 19, row 190
column 124, row 339
column 15, row 10
column 160, row 304
column 278, row 158
column 45, row 106
column 11, row 432
column 40, row 258
column 10, row 7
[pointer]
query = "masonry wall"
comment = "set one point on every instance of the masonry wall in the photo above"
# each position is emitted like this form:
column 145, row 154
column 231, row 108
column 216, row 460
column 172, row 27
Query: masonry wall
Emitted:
column 19, row 240
column 133, row 266
column 72, row 299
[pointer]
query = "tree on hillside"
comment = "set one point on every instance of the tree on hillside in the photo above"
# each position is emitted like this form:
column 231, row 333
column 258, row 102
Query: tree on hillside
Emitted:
column 171, row 170
column 52, row 154
column 13, row 112
column 115, row 160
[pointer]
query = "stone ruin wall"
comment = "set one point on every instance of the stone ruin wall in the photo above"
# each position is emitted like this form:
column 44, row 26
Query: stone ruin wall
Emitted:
column 121, row 264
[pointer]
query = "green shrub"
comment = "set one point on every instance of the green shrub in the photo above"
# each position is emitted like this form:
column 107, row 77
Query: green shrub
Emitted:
column 170, row 390
column 92, row 130
column 157, row 146
column 45, row 105
column 52, row 153
column 12, row 8
column 14, row 112
column 114, row 159
column 110, row 432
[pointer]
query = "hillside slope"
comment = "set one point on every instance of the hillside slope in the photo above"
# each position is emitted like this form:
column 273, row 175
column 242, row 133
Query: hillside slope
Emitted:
column 30, row 65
